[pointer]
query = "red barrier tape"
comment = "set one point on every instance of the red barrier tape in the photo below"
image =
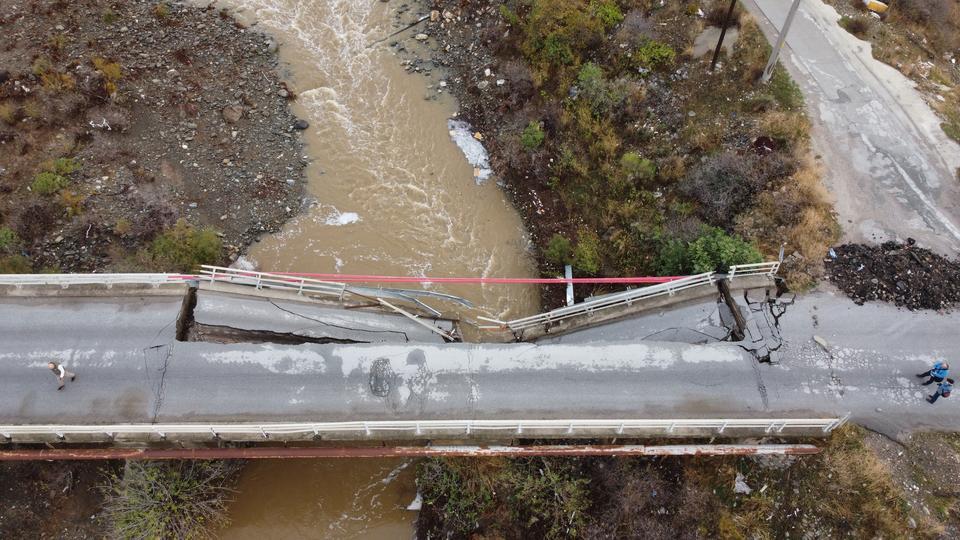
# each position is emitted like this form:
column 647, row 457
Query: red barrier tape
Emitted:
column 347, row 278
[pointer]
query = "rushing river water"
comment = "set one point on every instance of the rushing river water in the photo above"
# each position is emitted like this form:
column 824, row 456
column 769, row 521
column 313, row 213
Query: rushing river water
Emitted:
column 324, row 499
column 394, row 195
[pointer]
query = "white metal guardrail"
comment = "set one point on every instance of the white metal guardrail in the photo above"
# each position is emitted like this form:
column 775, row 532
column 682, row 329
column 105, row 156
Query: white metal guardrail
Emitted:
column 591, row 427
column 610, row 301
column 630, row 296
column 304, row 285
column 66, row 280
column 758, row 269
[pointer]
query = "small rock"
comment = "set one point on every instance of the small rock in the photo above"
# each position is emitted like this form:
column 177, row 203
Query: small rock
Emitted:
column 482, row 85
column 283, row 93
column 301, row 125
column 434, row 16
column 193, row 205
column 421, row 37
column 740, row 485
column 232, row 114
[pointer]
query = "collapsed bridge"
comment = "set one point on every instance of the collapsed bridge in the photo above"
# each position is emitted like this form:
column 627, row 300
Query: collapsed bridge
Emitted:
column 230, row 361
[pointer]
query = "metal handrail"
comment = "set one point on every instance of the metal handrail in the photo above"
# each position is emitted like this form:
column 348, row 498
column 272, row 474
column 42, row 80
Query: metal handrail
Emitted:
column 301, row 285
column 754, row 269
column 632, row 295
column 89, row 279
column 610, row 301
column 616, row 427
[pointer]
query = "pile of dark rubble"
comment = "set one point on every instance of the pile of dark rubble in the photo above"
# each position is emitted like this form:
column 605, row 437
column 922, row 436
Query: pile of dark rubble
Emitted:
column 910, row 277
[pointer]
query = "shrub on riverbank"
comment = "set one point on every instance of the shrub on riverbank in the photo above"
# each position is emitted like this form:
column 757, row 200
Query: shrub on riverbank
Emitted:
column 846, row 491
column 636, row 147
column 173, row 499
column 183, row 248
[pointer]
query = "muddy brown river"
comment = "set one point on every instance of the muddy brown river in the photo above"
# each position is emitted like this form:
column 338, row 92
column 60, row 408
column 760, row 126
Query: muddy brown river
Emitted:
column 392, row 194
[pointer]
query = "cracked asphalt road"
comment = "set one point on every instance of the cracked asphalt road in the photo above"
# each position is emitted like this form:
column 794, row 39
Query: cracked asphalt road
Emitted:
column 890, row 168
column 130, row 369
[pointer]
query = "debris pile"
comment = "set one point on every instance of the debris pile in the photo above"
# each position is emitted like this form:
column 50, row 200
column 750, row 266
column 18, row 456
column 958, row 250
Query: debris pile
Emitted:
column 910, row 277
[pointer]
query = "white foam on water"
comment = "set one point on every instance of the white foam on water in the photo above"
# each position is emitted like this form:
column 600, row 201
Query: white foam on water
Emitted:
column 338, row 219
column 244, row 263
column 462, row 134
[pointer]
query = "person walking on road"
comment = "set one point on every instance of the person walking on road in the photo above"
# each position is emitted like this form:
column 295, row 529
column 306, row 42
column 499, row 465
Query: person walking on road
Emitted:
column 943, row 390
column 937, row 373
column 61, row 373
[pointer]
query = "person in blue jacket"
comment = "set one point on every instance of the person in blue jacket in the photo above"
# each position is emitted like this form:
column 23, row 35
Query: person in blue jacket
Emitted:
column 937, row 373
column 943, row 390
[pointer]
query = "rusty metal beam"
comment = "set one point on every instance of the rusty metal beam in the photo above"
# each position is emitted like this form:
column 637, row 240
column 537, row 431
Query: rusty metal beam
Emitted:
column 77, row 454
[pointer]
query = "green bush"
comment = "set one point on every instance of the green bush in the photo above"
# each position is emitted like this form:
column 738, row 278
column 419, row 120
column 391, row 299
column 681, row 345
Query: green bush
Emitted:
column 8, row 239
column 176, row 499
column 785, row 90
column 549, row 498
column 637, row 168
column 608, row 13
column 586, row 256
column 952, row 130
column 457, row 492
column 183, row 248
column 598, row 91
column 62, row 166
column 15, row 264
column 653, row 55
column 556, row 30
column 532, row 136
column 715, row 248
column 519, row 498
column 48, row 183
column 559, row 251
column 711, row 250
column 509, row 16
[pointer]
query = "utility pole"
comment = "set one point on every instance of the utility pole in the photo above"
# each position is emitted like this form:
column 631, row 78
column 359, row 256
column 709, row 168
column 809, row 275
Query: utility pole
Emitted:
column 723, row 33
column 775, row 55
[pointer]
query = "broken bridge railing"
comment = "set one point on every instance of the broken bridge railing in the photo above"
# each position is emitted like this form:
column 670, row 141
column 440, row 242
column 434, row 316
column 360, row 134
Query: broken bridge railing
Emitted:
column 309, row 286
column 631, row 296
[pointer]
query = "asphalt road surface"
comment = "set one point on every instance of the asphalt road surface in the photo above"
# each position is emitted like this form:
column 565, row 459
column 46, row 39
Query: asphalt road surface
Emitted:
column 890, row 168
column 131, row 369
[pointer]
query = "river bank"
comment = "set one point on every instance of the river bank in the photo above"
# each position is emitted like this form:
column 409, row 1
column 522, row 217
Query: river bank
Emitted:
column 621, row 150
column 119, row 119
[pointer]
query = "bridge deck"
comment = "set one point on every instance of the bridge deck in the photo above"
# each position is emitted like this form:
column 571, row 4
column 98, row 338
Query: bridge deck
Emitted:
column 132, row 370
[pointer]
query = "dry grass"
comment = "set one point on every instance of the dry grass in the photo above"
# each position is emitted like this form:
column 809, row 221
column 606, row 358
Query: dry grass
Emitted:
column 800, row 215
column 791, row 128
column 8, row 113
column 860, row 488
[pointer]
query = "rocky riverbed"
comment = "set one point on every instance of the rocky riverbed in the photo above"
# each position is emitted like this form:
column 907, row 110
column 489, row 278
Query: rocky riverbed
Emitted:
column 137, row 114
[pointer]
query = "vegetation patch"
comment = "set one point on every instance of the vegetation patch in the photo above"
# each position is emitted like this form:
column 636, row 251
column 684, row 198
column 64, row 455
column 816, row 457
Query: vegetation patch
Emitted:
column 645, row 159
column 183, row 248
column 847, row 491
column 171, row 499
